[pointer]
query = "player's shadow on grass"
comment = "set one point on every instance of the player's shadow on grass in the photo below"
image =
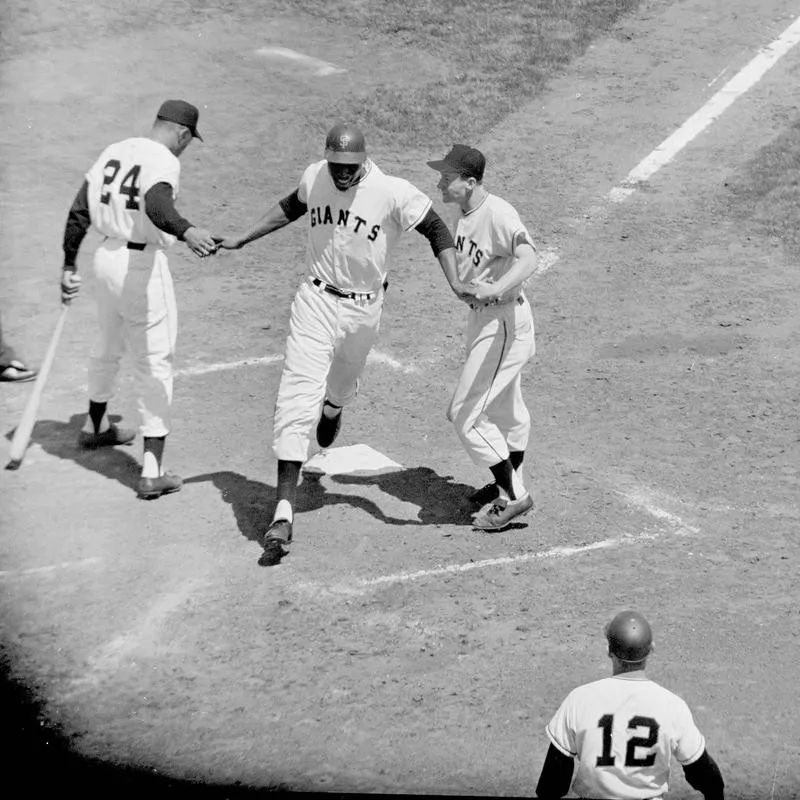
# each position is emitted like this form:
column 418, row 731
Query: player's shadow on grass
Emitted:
column 60, row 439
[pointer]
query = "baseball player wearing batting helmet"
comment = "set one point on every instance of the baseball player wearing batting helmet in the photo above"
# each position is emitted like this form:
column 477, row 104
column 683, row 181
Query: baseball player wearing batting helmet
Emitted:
column 128, row 196
column 356, row 213
column 496, row 255
column 624, row 730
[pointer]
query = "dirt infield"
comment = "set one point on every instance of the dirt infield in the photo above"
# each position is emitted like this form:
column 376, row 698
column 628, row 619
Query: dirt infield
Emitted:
column 397, row 650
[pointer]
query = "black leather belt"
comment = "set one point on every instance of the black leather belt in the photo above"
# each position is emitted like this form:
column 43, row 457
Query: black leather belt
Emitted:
column 478, row 306
column 136, row 245
column 347, row 295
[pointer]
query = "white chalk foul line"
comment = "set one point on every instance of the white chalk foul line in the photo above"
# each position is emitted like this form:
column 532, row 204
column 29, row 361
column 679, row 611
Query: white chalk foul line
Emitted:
column 50, row 568
column 645, row 500
column 367, row 584
column 204, row 369
column 745, row 79
column 320, row 67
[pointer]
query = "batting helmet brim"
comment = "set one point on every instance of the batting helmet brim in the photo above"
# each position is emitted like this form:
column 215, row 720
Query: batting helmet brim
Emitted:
column 344, row 157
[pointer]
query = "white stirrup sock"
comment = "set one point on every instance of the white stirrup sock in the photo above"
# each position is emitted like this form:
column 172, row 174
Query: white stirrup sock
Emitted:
column 283, row 511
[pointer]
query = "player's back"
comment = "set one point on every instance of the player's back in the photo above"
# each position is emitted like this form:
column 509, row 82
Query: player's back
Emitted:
column 118, row 182
column 625, row 730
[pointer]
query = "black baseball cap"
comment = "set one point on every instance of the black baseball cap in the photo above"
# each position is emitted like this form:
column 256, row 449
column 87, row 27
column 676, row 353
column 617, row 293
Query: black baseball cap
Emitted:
column 463, row 159
column 181, row 112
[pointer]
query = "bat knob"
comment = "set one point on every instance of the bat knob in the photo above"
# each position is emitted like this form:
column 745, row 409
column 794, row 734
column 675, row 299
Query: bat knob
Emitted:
column 14, row 463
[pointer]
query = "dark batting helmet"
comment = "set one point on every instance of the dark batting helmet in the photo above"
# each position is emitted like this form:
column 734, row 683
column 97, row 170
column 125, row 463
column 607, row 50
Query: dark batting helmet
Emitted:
column 345, row 144
column 629, row 637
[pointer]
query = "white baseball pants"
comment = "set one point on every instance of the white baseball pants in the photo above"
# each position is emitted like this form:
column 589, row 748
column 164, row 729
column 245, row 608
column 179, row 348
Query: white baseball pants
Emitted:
column 137, row 313
column 326, row 350
column 487, row 409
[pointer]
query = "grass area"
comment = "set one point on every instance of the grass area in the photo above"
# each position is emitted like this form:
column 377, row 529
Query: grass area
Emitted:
column 766, row 191
column 497, row 55
column 500, row 55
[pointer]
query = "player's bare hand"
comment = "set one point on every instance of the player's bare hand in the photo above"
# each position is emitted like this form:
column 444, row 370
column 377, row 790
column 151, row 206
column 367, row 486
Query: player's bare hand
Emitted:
column 463, row 292
column 228, row 242
column 200, row 242
column 70, row 285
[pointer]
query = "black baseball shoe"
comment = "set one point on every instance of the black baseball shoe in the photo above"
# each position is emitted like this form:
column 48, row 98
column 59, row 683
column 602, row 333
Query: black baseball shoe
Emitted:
column 502, row 512
column 276, row 543
column 110, row 437
column 151, row 488
column 486, row 494
column 328, row 427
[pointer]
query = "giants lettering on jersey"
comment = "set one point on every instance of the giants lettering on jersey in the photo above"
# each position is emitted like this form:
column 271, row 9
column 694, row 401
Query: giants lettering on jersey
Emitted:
column 474, row 251
column 320, row 216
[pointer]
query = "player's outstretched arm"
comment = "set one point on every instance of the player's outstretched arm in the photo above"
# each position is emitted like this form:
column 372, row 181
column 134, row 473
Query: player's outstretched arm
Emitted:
column 556, row 775
column 433, row 228
column 281, row 214
column 161, row 211
column 705, row 776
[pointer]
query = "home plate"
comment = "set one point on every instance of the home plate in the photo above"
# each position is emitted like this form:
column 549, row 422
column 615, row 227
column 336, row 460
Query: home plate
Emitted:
column 349, row 460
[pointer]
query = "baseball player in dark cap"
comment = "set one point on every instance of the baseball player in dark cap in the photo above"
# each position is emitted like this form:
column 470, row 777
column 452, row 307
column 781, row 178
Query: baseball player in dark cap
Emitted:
column 496, row 255
column 129, row 197
column 624, row 730
column 356, row 213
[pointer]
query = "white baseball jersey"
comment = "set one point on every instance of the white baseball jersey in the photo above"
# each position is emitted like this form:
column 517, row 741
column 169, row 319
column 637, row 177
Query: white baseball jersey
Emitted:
column 624, row 731
column 118, row 182
column 485, row 238
column 351, row 234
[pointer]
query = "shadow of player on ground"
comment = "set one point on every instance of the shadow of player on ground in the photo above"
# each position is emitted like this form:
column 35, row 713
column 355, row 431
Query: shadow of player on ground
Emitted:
column 60, row 439
column 253, row 502
column 441, row 500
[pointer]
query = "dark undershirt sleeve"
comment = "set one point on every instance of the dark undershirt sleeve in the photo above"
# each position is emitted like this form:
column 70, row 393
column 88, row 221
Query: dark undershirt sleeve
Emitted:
column 705, row 776
column 78, row 223
column 556, row 776
column 161, row 211
column 433, row 228
column 293, row 207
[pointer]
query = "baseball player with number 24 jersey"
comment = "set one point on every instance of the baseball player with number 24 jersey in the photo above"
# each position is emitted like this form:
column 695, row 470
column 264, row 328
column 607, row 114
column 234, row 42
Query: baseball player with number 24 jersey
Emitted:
column 128, row 196
column 625, row 730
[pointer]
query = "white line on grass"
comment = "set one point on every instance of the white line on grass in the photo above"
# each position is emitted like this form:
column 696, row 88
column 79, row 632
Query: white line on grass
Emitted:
column 20, row 573
column 320, row 67
column 745, row 79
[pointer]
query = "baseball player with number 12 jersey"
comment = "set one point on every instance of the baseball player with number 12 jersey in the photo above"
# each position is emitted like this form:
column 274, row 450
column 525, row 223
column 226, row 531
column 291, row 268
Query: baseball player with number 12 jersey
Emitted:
column 624, row 730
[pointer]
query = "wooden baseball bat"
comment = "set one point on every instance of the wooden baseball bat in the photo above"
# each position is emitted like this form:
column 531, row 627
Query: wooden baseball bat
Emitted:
column 22, row 435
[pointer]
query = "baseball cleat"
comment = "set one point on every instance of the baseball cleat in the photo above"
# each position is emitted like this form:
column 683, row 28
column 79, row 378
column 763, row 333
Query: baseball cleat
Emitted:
column 486, row 494
column 328, row 427
column 276, row 543
column 151, row 488
column 108, row 438
column 501, row 513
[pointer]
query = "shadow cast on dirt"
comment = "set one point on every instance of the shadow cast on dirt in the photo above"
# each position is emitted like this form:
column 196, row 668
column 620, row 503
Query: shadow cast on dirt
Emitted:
column 253, row 502
column 60, row 439
column 441, row 500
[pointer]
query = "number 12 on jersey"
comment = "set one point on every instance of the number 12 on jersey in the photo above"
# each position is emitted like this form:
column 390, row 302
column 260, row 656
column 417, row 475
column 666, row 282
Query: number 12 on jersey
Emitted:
column 129, row 185
column 607, row 759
